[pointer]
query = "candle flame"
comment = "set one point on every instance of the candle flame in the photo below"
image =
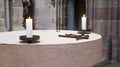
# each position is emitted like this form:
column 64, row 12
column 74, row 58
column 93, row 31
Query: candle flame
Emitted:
column 29, row 17
column 83, row 15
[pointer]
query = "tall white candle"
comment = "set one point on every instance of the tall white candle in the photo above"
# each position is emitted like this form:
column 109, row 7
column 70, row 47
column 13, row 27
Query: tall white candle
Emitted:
column 29, row 26
column 83, row 22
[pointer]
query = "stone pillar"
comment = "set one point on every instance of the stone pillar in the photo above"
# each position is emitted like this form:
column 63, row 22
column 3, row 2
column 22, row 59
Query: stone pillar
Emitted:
column 7, row 15
column 2, row 16
column 57, row 15
column 62, row 14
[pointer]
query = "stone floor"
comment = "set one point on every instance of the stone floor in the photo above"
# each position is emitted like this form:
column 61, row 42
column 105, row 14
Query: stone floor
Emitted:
column 112, row 65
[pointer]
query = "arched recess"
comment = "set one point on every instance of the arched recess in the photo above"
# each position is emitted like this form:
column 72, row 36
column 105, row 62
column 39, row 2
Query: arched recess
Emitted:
column 66, row 11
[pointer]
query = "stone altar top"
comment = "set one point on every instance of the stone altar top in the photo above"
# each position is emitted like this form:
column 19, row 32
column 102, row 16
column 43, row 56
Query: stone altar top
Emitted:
column 47, row 37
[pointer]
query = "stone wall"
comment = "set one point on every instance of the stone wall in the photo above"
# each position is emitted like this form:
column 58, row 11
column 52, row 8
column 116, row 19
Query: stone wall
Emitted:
column 45, row 15
column 16, row 14
column 103, row 18
column 44, row 18
column 2, row 16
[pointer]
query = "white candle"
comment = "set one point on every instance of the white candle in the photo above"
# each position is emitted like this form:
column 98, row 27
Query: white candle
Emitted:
column 83, row 22
column 29, row 27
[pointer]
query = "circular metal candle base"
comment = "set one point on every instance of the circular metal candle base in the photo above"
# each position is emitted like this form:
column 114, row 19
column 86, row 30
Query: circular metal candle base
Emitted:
column 34, row 39
column 84, row 31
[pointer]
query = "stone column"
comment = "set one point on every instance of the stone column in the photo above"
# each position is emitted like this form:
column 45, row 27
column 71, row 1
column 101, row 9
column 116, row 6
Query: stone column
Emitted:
column 7, row 15
column 58, row 15
column 2, row 16
column 61, row 14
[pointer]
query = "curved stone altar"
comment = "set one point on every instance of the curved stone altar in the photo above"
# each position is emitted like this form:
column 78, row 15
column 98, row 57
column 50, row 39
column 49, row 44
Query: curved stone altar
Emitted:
column 52, row 51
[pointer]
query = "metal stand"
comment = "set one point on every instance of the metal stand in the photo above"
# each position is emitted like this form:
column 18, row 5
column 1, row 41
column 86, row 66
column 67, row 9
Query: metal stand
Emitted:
column 82, row 32
column 34, row 39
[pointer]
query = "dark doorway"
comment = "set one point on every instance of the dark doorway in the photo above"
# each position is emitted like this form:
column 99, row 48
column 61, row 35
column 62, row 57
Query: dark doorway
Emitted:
column 79, row 10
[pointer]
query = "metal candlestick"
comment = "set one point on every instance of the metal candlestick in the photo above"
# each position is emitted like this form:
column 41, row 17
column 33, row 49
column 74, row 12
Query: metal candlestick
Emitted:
column 82, row 32
column 34, row 39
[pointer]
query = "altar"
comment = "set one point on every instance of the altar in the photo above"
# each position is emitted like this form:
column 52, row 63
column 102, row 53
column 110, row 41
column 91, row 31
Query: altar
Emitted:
column 51, row 51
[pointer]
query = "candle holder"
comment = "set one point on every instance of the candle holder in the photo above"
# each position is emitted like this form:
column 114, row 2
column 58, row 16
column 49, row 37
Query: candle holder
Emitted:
column 82, row 32
column 34, row 39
